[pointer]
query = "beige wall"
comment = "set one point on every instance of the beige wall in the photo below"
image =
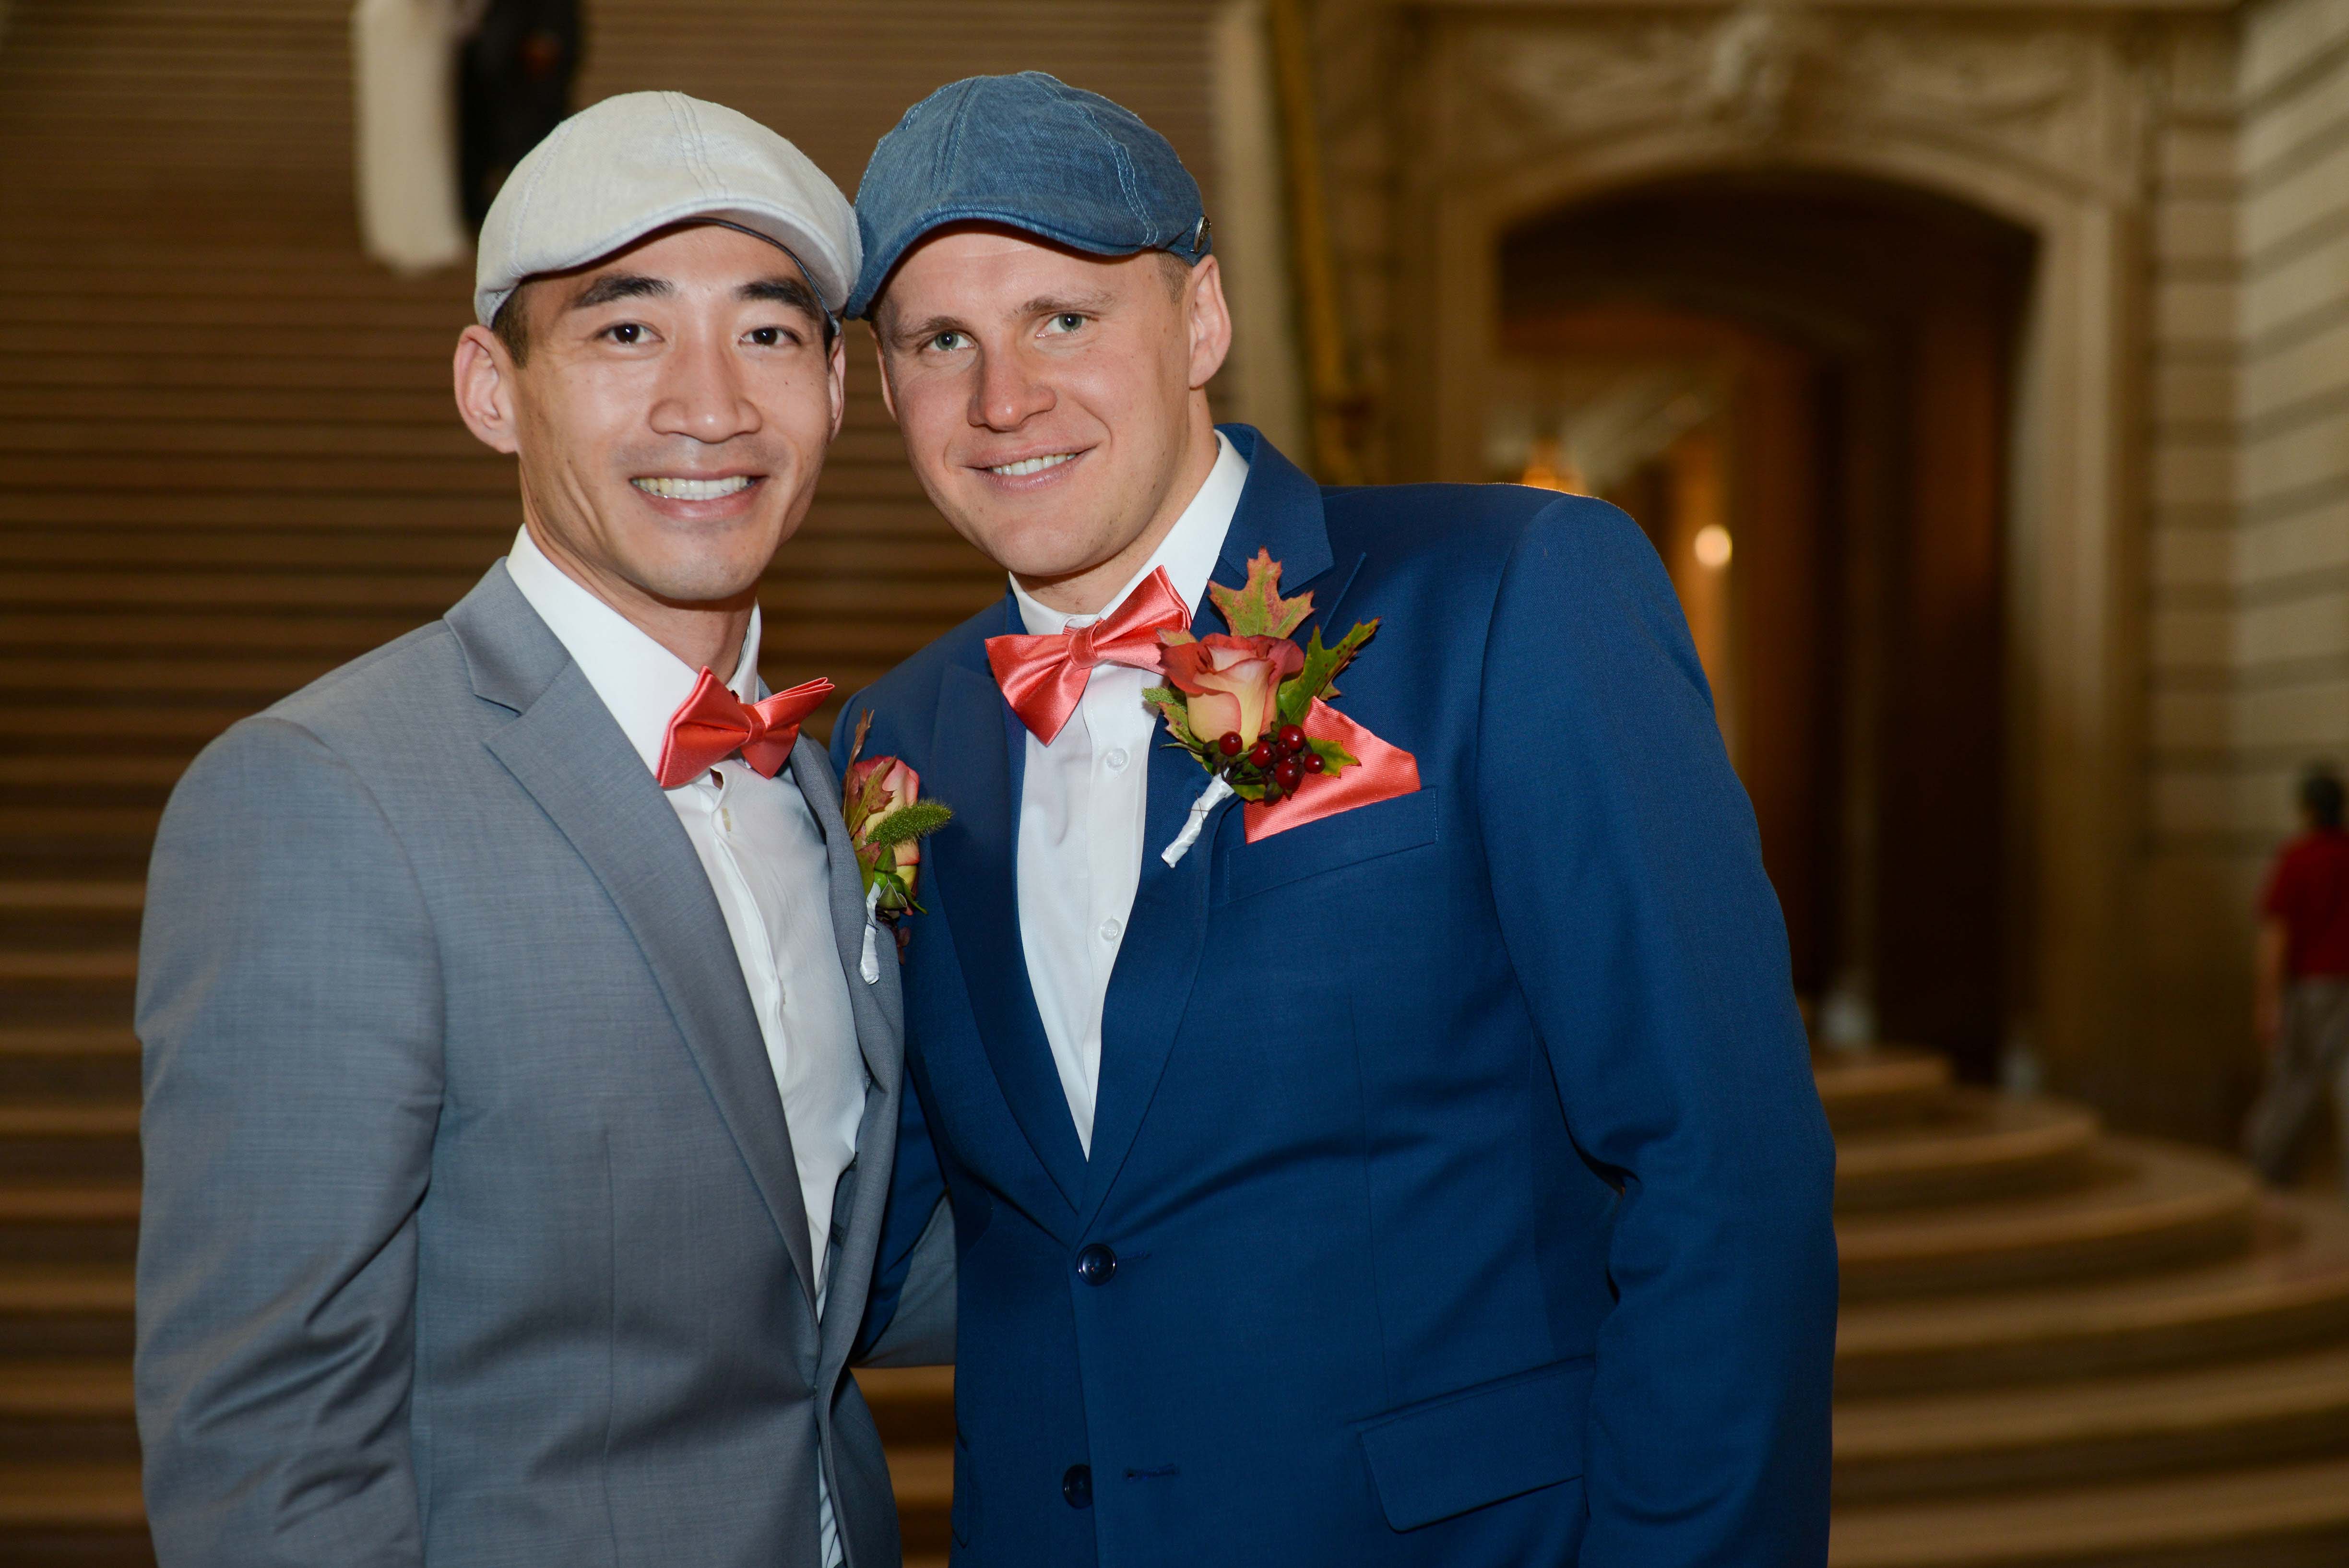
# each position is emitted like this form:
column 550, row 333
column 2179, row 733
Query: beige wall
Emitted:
column 2249, row 536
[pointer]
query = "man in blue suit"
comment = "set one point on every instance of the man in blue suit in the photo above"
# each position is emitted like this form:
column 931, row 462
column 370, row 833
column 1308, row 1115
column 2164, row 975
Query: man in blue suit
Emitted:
column 1438, row 1180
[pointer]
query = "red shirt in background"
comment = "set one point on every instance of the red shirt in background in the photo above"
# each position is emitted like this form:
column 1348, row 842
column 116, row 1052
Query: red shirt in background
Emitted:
column 2309, row 892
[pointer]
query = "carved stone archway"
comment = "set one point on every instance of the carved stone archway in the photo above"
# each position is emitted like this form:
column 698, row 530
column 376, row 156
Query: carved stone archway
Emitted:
column 2042, row 118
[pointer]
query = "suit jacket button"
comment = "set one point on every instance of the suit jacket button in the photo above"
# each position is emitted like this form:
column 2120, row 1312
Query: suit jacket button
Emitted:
column 1077, row 1486
column 1096, row 1264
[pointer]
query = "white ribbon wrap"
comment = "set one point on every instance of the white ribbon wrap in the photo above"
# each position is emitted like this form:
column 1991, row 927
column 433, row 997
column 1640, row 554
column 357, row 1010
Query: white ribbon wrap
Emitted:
column 870, row 966
column 1215, row 794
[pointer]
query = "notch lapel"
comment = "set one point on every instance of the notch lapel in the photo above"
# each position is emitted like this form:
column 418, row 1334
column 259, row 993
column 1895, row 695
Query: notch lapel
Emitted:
column 972, row 751
column 878, row 1010
column 1158, row 961
column 564, row 747
column 877, row 1006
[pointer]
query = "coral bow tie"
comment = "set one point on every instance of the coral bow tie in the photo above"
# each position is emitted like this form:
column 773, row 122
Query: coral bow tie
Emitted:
column 1043, row 677
column 712, row 725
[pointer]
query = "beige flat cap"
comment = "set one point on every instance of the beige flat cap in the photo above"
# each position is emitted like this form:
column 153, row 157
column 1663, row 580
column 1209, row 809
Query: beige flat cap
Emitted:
column 619, row 170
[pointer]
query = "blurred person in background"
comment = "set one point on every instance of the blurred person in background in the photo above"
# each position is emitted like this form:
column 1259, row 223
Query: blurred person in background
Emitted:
column 2299, row 997
column 520, row 59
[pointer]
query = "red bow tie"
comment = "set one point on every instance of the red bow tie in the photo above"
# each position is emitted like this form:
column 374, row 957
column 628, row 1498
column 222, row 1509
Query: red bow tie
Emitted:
column 712, row 725
column 1044, row 677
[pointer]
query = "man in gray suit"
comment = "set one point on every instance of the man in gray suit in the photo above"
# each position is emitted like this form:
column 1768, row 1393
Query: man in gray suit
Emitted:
column 519, row 1116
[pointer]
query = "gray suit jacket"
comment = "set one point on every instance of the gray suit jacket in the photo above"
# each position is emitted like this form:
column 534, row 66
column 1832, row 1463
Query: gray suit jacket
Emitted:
column 472, row 1234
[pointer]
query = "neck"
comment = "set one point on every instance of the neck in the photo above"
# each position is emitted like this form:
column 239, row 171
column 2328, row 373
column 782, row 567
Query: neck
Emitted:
column 702, row 634
column 1088, row 592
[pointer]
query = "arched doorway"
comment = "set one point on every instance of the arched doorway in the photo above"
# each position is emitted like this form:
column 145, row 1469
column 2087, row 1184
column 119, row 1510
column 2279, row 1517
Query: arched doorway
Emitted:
column 1800, row 384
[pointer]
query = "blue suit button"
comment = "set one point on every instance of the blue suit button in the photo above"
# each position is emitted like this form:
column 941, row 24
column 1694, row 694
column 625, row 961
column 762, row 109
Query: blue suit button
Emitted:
column 1096, row 1264
column 1077, row 1486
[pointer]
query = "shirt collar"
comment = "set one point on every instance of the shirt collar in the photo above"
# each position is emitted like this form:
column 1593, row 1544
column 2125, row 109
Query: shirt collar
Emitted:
column 1189, row 551
column 639, row 681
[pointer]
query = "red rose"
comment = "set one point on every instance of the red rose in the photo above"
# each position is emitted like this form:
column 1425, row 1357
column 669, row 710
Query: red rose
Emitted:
column 1233, row 683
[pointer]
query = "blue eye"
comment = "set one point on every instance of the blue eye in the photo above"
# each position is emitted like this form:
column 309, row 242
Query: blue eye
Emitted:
column 947, row 342
column 1068, row 321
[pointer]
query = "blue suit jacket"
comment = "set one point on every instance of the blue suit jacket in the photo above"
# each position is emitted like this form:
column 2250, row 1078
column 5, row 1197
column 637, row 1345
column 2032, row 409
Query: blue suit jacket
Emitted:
column 1459, row 1156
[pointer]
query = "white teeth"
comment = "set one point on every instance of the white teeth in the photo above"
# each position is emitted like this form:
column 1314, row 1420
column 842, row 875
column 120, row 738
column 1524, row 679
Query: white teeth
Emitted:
column 1032, row 465
column 692, row 489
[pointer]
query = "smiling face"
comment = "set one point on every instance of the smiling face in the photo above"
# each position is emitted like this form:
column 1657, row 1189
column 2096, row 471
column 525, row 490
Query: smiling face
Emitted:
column 670, row 415
column 1054, row 404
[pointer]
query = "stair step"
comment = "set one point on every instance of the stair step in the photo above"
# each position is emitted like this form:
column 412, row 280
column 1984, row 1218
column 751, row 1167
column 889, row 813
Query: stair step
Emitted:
column 68, row 1497
column 68, row 1222
column 2289, row 1291
column 2294, row 1516
column 52, row 898
column 65, row 1310
column 2012, row 1440
column 78, row 1411
column 1883, row 1083
column 923, row 1477
column 1973, row 1146
column 910, row 1404
column 68, row 1140
column 2150, row 1206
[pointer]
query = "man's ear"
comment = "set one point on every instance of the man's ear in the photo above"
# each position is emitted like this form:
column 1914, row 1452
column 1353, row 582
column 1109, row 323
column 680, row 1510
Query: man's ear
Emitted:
column 836, row 367
column 880, row 363
column 484, row 375
column 1211, row 321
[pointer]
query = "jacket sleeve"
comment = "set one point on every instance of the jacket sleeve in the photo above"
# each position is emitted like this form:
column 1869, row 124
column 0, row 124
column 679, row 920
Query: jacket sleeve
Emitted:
column 290, row 1007
column 909, row 1319
column 1628, row 873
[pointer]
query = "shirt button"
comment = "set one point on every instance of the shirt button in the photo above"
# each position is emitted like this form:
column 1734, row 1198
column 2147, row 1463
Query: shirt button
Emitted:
column 1111, row 930
column 725, row 819
column 1116, row 760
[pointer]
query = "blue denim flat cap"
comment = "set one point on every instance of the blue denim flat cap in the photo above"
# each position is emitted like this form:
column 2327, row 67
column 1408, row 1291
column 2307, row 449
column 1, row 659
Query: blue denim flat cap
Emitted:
column 1030, row 152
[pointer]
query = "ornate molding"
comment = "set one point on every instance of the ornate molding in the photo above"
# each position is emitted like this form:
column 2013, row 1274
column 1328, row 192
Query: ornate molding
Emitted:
column 2030, row 88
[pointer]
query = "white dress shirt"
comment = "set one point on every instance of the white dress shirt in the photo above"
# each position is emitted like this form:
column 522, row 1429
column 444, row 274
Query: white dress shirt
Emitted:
column 765, row 857
column 1082, row 805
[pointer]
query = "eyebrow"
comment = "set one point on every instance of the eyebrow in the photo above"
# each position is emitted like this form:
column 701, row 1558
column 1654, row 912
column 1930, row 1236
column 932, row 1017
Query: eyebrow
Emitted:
column 616, row 285
column 788, row 291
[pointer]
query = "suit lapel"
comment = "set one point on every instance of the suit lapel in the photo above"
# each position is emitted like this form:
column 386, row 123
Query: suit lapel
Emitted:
column 972, row 753
column 880, row 1034
column 879, row 1030
column 567, row 749
column 1158, row 961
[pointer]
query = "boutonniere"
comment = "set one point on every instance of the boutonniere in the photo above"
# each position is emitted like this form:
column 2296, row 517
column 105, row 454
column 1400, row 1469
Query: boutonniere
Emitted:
column 880, row 799
column 1253, row 708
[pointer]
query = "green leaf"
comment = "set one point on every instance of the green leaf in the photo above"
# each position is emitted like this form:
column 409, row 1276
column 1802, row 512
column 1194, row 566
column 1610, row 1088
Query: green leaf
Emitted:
column 1335, row 758
column 908, row 823
column 1173, row 707
column 1256, row 609
column 1319, row 677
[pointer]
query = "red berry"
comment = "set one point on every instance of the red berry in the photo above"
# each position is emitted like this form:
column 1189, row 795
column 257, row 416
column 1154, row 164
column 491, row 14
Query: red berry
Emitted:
column 1288, row 774
column 1313, row 762
column 1230, row 744
column 1261, row 754
column 1292, row 739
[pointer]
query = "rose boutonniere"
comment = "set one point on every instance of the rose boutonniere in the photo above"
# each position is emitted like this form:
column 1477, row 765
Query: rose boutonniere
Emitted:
column 1252, row 707
column 881, row 800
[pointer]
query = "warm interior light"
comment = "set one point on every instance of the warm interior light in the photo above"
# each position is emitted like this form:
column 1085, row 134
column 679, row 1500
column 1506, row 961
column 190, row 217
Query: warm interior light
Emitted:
column 1713, row 546
column 1548, row 468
